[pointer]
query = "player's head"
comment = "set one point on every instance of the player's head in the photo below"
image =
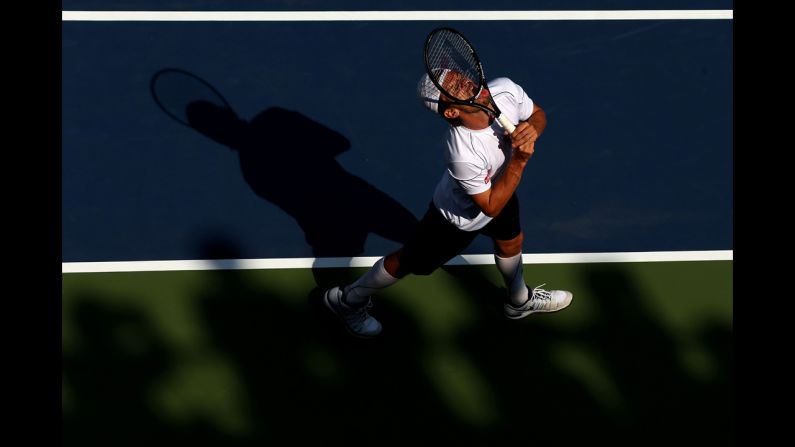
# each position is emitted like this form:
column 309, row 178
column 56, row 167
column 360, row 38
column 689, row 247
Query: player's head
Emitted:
column 457, row 84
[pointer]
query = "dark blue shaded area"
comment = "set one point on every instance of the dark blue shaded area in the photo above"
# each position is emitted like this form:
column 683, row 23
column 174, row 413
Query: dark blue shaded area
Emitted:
column 383, row 5
column 637, row 155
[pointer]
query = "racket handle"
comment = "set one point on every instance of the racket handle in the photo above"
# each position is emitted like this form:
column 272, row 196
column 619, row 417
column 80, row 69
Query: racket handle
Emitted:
column 506, row 123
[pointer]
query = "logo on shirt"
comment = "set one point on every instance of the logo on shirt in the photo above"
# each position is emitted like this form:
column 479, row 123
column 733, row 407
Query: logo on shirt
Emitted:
column 488, row 177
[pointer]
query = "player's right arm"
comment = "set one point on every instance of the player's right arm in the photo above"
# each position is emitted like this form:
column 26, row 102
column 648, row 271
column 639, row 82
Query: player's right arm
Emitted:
column 493, row 200
column 523, row 140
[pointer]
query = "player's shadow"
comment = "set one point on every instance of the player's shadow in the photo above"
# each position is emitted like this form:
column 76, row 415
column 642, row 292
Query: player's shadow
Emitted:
column 289, row 160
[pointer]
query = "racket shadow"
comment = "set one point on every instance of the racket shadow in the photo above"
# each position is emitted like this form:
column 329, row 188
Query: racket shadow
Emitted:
column 289, row 160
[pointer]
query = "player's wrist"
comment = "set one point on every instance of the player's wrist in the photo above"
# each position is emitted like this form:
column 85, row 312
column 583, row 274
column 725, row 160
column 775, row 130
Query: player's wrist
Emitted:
column 519, row 159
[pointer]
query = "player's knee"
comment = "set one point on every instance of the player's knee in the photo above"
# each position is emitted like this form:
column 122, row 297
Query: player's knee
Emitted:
column 395, row 265
column 410, row 264
column 508, row 248
column 399, row 264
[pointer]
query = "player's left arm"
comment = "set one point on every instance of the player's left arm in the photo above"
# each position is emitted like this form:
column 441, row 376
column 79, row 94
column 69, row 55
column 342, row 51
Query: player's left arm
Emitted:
column 530, row 129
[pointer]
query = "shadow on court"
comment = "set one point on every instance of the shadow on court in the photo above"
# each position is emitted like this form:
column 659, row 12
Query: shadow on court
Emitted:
column 110, row 378
column 636, row 392
column 304, row 380
column 289, row 160
column 643, row 358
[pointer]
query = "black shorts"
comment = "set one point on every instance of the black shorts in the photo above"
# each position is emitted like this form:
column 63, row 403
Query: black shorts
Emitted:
column 436, row 241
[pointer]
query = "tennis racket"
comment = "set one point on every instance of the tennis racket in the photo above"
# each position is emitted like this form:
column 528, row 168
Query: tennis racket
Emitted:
column 455, row 69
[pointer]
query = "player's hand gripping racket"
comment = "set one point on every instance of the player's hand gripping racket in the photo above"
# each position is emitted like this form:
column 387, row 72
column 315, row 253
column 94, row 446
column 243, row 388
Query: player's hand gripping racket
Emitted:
column 455, row 69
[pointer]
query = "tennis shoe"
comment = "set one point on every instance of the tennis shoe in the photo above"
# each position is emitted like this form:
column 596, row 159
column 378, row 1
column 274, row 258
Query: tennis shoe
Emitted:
column 539, row 301
column 355, row 318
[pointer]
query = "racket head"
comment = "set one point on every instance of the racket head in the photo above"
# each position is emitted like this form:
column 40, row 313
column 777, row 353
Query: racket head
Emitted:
column 448, row 50
column 453, row 66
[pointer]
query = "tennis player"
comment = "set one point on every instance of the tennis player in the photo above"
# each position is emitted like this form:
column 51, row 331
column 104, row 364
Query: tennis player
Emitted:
column 476, row 195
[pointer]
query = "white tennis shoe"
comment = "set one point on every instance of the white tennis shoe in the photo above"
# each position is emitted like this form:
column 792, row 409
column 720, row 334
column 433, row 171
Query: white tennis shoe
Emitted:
column 539, row 301
column 356, row 319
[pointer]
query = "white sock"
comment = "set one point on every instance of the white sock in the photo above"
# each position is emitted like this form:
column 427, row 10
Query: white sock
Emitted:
column 374, row 280
column 512, row 272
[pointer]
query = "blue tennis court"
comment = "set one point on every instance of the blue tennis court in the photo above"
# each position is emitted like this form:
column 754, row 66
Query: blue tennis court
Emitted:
column 637, row 156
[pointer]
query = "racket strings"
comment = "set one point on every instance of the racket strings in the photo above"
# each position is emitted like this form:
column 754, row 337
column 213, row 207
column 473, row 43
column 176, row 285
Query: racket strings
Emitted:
column 449, row 51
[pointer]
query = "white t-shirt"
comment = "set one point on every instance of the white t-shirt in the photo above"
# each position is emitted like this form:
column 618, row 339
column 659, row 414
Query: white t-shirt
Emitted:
column 475, row 158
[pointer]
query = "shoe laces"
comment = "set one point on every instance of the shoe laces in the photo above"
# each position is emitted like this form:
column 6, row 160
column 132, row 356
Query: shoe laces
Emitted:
column 358, row 314
column 541, row 294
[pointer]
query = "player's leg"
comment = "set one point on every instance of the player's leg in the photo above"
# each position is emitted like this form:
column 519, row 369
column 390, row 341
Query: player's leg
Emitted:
column 506, row 233
column 508, row 258
column 434, row 242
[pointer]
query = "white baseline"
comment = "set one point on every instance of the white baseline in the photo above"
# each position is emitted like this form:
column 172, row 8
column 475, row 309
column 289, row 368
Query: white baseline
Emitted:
column 368, row 261
column 347, row 16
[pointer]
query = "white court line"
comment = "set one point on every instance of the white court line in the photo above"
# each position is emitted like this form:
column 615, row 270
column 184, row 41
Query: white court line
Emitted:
column 303, row 263
column 345, row 16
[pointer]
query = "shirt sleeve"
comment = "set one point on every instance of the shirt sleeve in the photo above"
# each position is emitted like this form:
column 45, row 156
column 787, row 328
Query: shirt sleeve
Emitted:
column 473, row 179
column 514, row 97
column 524, row 103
